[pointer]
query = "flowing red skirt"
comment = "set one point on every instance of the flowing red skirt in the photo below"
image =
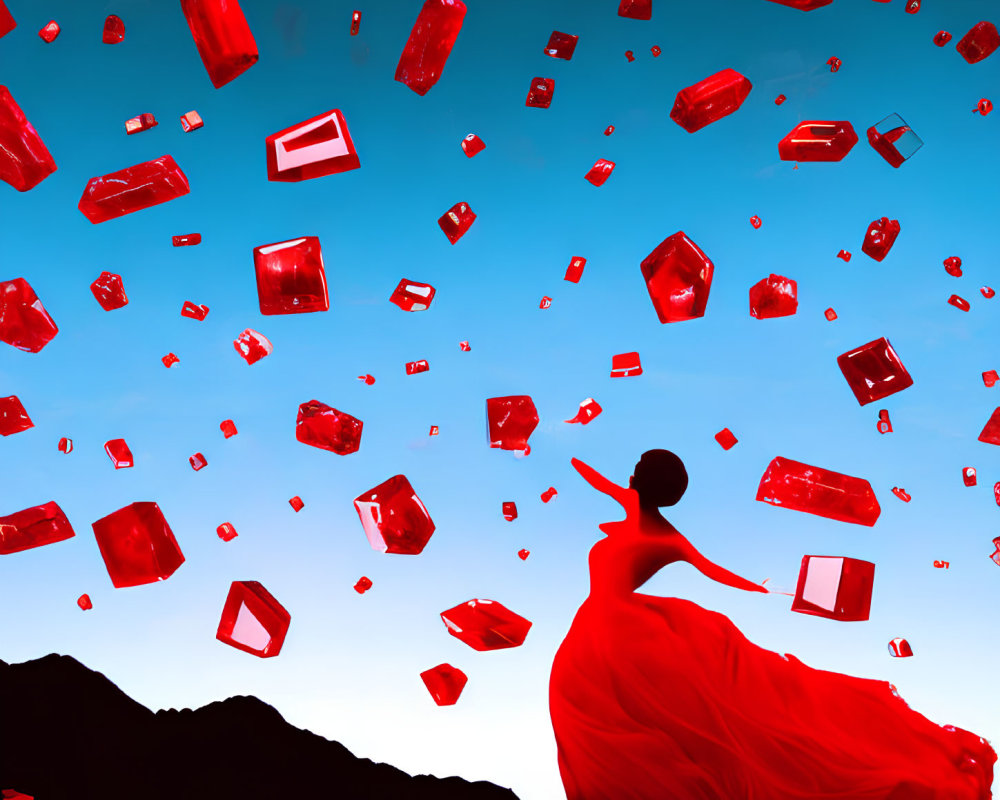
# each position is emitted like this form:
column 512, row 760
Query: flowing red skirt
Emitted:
column 659, row 699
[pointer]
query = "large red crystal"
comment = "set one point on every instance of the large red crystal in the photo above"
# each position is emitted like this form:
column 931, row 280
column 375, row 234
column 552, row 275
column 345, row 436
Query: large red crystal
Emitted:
column 109, row 291
column 24, row 322
column 880, row 237
column 133, row 189
column 445, row 683
column 981, row 41
column 394, row 518
column 835, row 588
column 222, row 36
column 34, row 527
column 291, row 278
column 412, row 295
column 635, row 9
column 13, row 417
column 800, row 487
column 774, row 296
column 486, row 625
column 252, row 620
column 137, row 545
column 431, row 39
column 511, row 420
column 710, row 100
column 312, row 149
column 323, row 426
column 991, row 433
column 874, row 371
column 818, row 141
column 7, row 23
column 678, row 276
column 803, row 5
column 24, row 160
column 456, row 221
column 893, row 139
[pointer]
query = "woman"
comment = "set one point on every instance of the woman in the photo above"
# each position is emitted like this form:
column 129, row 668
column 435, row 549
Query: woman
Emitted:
column 659, row 699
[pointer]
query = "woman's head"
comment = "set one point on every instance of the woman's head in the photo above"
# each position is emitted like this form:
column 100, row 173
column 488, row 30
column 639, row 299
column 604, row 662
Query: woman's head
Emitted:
column 659, row 478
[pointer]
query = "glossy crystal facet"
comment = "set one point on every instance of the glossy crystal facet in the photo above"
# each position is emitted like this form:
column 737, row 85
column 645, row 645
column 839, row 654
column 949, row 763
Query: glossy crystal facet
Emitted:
column 228, row 428
column 114, row 30
column 678, row 277
column 486, row 625
column 222, row 36
column 412, row 295
column 119, row 453
column 880, row 237
column 291, row 278
column 34, row 527
column 710, row 100
column 13, row 417
column 589, row 409
column 893, row 139
column 540, row 92
column 24, row 322
column 472, row 145
column 874, row 371
column 814, row 490
column 511, row 421
column 774, row 296
column 835, row 587
column 65, row 445
column 726, row 439
column 900, row 648
column 363, row 585
column 253, row 346
column 198, row 461
column 109, row 291
column 133, row 189
column 186, row 240
column 991, row 432
column 395, row 520
column 194, row 311
column 137, row 545
column 191, row 121
column 49, row 32
column 85, row 604
column 296, row 504
column 415, row 367
column 431, row 39
column 561, row 45
column 139, row 124
column 456, row 221
column 981, row 41
column 600, row 172
column 226, row 532
column 941, row 38
column 253, row 620
column 322, row 426
column 24, row 159
column 445, row 683
column 818, row 141
column 315, row 148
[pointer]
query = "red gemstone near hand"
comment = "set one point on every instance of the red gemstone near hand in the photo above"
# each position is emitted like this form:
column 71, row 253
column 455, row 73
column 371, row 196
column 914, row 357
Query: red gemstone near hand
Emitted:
column 834, row 63
column 844, row 256
column 191, row 121
column 969, row 476
column 818, row 141
column 511, row 421
column 65, row 446
column 291, row 278
column 109, row 291
column 49, row 33
column 412, row 295
column 315, row 148
column 773, row 296
column 472, row 145
column 445, row 683
column 456, row 221
column 561, row 45
column 893, row 139
column 835, row 588
column 226, row 532
column 253, row 346
column 575, row 269
column 548, row 494
column 710, row 100
column 635, row 9
column 880, row 238
column 987, row 292
column 901, row 494
column 803, row 5
column 169, row 360
column 726, row 439
column 186, row 240
column 197, row 461
column 991, row 431
column 137, row 545
column 431, row 39
column 34, row 527
column 981, row 41
column 193, row 311
column 874, row 371
column 900, row 648
column 296, row 503
column 678, row 277
column 959, row 302
column 133, row 189
column 139, row 124
column 394, row 518
column 355, row 23
column 540, row 92
column 486, row 625
column 830, row 314
column 941, row 38
column 85, row 605
column 222, row 36
column 779, row 99
column 13, row 417
column 589, row 409
column 7, row 23
column 883, row 425
column 625, row 365
column 415, row 367
column 24, row 322
column 253, row 621
column 322, row 426
column 363, row 585
column 953, row 266
column 523, row 554
column 600, row 172
column 119, row 453
column 24, row 160
column 228, row 428
column 814, row 490
column 509, row 510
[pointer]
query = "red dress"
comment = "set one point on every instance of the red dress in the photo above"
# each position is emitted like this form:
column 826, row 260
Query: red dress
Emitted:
column 659, row 699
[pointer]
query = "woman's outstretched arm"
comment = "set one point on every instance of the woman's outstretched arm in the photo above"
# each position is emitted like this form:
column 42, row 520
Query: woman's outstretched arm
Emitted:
column 719, row 574
column 602, row 484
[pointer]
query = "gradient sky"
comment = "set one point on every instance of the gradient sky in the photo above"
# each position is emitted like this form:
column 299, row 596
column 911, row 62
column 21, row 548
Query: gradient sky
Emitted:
column 350, row 666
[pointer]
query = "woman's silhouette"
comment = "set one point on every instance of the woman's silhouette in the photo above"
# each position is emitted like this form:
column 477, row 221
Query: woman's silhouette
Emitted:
column 659, row 699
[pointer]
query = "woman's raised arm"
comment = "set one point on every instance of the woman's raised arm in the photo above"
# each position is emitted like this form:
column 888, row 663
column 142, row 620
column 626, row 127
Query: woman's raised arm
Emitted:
column 602, row 484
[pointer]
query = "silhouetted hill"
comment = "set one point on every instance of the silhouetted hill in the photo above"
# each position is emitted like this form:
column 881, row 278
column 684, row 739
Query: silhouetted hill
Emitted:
column 68, row 732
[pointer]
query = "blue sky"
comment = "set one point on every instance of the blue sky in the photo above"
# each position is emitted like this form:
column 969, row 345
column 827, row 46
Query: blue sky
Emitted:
column 350, row 665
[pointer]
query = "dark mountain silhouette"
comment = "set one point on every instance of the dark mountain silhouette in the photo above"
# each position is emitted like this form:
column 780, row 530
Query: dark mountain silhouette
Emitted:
column 68, row 732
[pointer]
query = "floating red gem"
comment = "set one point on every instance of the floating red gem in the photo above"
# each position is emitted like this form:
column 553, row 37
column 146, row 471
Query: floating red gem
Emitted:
column 511, row 421
column 198, row 461
column 710, row 100
column 368, row 379
column 755, row 221
column 981, row 41
column 509, row 510
column 253, row 346
column 814, row 490
column 133, row 189
column 900, row 648
column 942, row 564
column 834, row 63
column 49, row 33
column 726, row 439
column 625, row 365
column 575, row 269
column 355, row 23
column 137, row 545
column 169, row 360
column 953, row 266
column 844, row 256
column 969, row 476
column 24, row 160
column 252, row 620
column 193, row 311
column 561, row 45
column 24, row 322
column 222, row 36
column 7, row 22
column 312, row 149
column 609, row 130
column 109, row 291
column 629, row 55
column 901, row 494
column 773, row 296
column 880, row 238
column 433, row 431
column 84, row 602
column 139, row 124
column 589, row 409
column 296, row 504
column 655, row 50
column 431, row 39
column 959, row 302
column 991, row 431
column 912, row 6
column 323, row 426
column 548, row 494
column 412, row 295
column 987, row 292
column 996, row 554
column 119, row 453
column 291, row 278
column 600, row 172
column 456, row 221
column 363, row 585
column 472, row 145
column 803, row 5
column 818, row 141
column 779, row 99
column 678, row 277
column 523, row 554
column 186, row 240
column 445, row 683
column 486, row 625
column 830, row 314
column 191, row 121
column 545, row 302
column 540, row 92
column 415, row 367
column 34, row 527
column 893, row 140
column 990, row 377
column 874, row 371
column 13, row 417
column 226, row 532
column 984, row 107
column 65, row 445
column 228, row 428
column 835, row 588
column 394, row 518
column 464, row 347
column 941, row 38
column 883, row 425
column 635, row 9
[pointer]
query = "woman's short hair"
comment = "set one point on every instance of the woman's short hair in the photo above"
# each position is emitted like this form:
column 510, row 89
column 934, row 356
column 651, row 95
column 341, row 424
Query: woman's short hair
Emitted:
column 659, row 478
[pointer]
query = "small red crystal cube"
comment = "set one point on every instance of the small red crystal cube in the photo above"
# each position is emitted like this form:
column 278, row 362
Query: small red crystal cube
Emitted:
column 990, row 377
column 49, row 32
column 725, row 438
column 226, row 532
column 830, row 314
column 636, row 9
column 900, row 648
column 575, row 269
column 34, row 527
column 24, row 322
column 981, row 41
column 710, row 100
column 114, row 30
column 133, row 189
column 464, row 347
column 472, row 145
column 486, row 625
column 193, row 311
column 874, row 371
column 773, row 296
column 363, row 585
column 119, row 453
column 511, row 421
column 844, row 255
column 755, row 221
column 169, row 360
column 969, row 476
column 901, row 494
column 412, row 295
column 186, row 240
column 109, row 291
column 893, row 140
column 456, row 221
column 24, row 160
column 427, row 49
column 678, row 277
column 191, row 121
column 252, row 346
column 228, row 428
column 312, row 149
column 523, row 554
column 433, row 431
column 987, row 292
column 84, row 602
column 545, row 302
column 13, row 417
column 509, row 510
column 540, row 92
column 394, row 518
column 834, row 587
column 814, row 490
column 222, row 36
column 818, row 141
column 322, row 426
column 291, row 278
column 137, row 545
column 252, row 620
column 779, row 99
column 625, row 365
column 65, row 445
column 609, row 130
column 198, row 461
column 941, row 38
column 414, row 367
column 589, row 409
column 296, row 503
column 953, row 266
column 600, row 172
column 991, row 432
column 561, row 45
column 880, row 237
column 141, row 123
column 445, row 683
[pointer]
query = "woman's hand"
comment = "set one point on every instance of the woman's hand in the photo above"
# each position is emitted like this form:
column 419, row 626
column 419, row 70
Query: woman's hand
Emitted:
column 628, row 498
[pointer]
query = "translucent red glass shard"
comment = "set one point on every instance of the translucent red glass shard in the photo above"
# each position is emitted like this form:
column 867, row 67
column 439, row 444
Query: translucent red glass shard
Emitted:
column 540, row 92
column 169, row 360
column 194, row 311
column 296, row 504
column 987, row 292
column 429, row 45
column 814, row 490
column 726, row 439
column 941, row 38
column 433, row 431
column 109, row 291
column 114, row 30
column 983, row 107
column 222, row 36
column 198, row 461
column 545, row 302
column 186, row 240
column 548, row 494
column 942, row 564
column 456, row 221
column 575, row 269
column 844, row 255
column 773, row 296
column 893, row 139
column 191, row 121
column 900, row 648
column 363, row 585
column 253, row 346
column 226, row 532
column 312, row 149
column 880, row 238
column 472, row 145
column 34, row 527
column 561, row 45
column 629, row 55
column 464, row 347
column 253, row 620
column 678, row 277
column 609, row 130
column 990, row 377
column 415, row 367
column 912, row 6
column 779, row 99
column 959, row 302
column 589, row 409
column 355, row 23
column 953, row 266
column 755, row 221
column 412, row 295
column 710, row 100
column 139, row 124
column 24, row 322
column 322, row 426
column 368, row 379
column 837, row 588
column 119, row 453
column 830, row 314
column 445, row 683
column 996, row 554
column 509, row 510
column 523, row 554
column 65, row 445
column 24, row 159
column 7, row 22
column 84, row 602
column 486, row 625
column 655, row 50
column 818, row 141
column 981, row 41
column 635, row 9
column 625, row 365
column 969, row 476
column 600, row 172
column 228, row 428
column 133, row 189
column 991, row 431
column 291, row 278
column 395, row 520
column 511, row 421
column 13, row 417
column 901, row 494
column 137, row 545
column 874, row 371
column 49, row 32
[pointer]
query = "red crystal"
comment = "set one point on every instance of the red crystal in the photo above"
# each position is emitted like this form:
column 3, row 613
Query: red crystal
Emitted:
column 509, row 510
column 548, row 494
column 990, row 377
column 472, row 145
column 7, row 23
column 312, row 149
column 49, row 32
column 629, row 55
column 779, row 99
column 445, row 683
column 912, row 6
column 900, row 648
column 323, row 426
column 987, row 292
column 412, row 295
column 844, row 256
column 969, row 476
column 589, row 409
column 119, row 453
column 363, row 585
column 431, row 39
column 600, row 172
column 540, row 92
column 394, row 518
column 226, row 532
column 65, row 445
column 655, row 50
column 942, row 564
column 635, row 9
column 835, row 588
column 291, row 278
column 191, row 121
column 880, row 238
column 198, row 461
column 830, row 314
column 710, row 100
column 355, row 23
column 953, row 266
column 678, row 277
column 24, row 160
column 13, row 417
column 814, row 490
column 222, row 36
column 874, row 371
column 252, row 620
column 941, row 38
column 109, row 291
column 186, row 240
column 511, row 421
column 34, row 527
column 834, row 63
column 996, row 555
column 486, row 625
column 368, row 379
column 893, row 140
column 773, row 296
column 609, row 130
column 139, row 124
column 546, row 302
column 296, row 503
column 415, row 367
column 991, row 431
column 169, row 360
column 883, row 425
column 133, row 189
column 84, row 602
column 228, row 428
column 456, row 221
column 24, row 322
column 959, row 302
column 433, row 431
column 818, row 141
column 193, row 311
column 137, row 545
column 523, row 554
column 253, row 346
column 803, row 5
column 726, row 439
column 575, row 269
column 561, row 45
column 755, row 221
column 625, row 365
column 981, row 41
column 901, row 494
